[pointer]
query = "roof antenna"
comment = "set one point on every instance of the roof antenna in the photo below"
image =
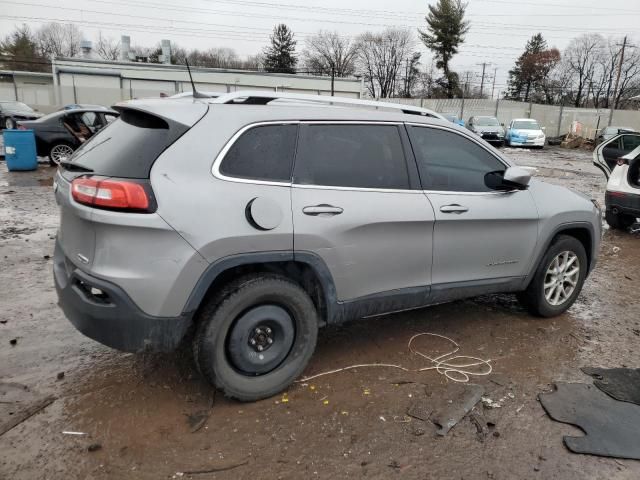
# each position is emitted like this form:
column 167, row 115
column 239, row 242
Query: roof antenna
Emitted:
column 196, row 94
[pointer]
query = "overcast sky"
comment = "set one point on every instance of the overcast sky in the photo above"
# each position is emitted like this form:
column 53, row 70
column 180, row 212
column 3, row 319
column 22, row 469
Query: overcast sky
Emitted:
column 499, row 28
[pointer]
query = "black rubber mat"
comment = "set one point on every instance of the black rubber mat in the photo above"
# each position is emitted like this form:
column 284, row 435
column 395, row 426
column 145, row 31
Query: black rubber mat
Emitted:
column 612, row 428
column 621, row 383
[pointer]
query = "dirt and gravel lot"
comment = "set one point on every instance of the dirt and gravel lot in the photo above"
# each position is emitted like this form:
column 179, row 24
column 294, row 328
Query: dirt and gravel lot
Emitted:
column 142, row 409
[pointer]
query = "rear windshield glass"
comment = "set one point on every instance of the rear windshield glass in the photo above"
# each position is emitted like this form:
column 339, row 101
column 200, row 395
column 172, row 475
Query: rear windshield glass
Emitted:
column 128, row 146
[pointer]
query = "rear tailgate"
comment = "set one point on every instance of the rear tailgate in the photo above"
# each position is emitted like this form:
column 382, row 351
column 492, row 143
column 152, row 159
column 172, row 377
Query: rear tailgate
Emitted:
column 76, row 235
column 126, row 148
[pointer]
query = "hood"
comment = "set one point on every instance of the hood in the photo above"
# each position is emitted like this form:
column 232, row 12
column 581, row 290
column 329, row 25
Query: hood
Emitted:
column 21, row 113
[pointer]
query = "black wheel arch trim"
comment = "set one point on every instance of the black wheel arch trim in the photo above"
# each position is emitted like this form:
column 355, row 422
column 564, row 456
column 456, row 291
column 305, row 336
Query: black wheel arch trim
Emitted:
column 564, row 227
column 312, row 260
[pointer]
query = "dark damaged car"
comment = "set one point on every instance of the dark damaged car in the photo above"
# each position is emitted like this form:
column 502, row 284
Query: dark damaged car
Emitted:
column 13, row 112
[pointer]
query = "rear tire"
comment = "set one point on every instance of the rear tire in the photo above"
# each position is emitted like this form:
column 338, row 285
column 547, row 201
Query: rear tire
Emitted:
column 552, row 290
column 9, row 123
column 618, row 221
column 257, row 339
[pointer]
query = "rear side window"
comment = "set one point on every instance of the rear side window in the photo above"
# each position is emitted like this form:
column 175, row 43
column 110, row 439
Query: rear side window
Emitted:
column 262, row 153
column 630, row 142
column 448, row 161
column 128, row 146
column 359, row 156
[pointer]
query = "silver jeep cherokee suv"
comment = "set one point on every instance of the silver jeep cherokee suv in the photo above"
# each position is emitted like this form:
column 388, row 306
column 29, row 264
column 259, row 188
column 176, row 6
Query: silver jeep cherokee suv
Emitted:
column 254, row 218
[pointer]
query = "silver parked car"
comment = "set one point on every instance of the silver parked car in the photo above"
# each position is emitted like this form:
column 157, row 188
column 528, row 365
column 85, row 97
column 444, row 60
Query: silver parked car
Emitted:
column 255, row 218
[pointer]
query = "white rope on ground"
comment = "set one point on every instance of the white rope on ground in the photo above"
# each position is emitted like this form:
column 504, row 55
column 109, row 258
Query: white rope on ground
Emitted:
column 447, row 364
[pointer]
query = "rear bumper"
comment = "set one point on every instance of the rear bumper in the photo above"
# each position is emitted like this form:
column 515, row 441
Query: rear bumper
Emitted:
column 111, row 317
column 619, row 202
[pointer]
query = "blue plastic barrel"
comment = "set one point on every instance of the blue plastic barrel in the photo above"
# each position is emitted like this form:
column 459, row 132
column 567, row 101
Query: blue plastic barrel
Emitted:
column 20, row 150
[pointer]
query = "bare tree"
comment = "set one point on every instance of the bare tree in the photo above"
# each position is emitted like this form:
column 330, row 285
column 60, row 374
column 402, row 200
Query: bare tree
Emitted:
column 107, row 48
column 581, row 57
column 252, row 62
column 380, row 56
column 426, row 82
column 59, row 40
column 328, row 52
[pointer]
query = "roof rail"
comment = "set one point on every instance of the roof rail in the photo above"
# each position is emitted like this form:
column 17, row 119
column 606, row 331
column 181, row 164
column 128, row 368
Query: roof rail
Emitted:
column 262, row 98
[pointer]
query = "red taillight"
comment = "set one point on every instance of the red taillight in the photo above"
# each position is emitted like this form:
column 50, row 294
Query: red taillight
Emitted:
column 108, row 193
column 616, row 194
column 622, row 161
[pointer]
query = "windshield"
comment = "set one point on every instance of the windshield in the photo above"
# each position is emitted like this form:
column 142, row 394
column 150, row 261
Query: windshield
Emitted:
column 487, row 122
column 526, row 125
column 19, row 106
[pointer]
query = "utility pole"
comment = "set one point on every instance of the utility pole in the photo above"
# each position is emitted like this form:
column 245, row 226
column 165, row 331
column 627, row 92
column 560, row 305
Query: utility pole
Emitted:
column 484, row 66
column 619, row 73
column 333, row 78
column 493, row 87
column 406, row 78
column 615, row 90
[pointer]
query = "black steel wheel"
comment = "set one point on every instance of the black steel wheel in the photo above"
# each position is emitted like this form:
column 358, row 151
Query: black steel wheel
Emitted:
column 256, row 338
column 260, row 339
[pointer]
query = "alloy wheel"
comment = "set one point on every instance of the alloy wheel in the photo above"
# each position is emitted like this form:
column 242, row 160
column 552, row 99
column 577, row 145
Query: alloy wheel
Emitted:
column 60, row 152
column 561, row 278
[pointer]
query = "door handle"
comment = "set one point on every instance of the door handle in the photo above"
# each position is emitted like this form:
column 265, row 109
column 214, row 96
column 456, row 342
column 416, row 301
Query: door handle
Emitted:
column 454, row 208
column 322, row 210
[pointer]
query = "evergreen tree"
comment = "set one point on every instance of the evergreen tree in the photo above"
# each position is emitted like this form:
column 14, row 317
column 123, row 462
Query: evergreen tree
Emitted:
column 531, row 68
column 19, row 51
column 280, row 56
column 446, row 28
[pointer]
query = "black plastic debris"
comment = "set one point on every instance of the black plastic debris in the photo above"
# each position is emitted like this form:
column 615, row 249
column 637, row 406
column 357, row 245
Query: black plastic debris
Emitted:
column 612, row 427
column 621, row 383
column 460, row 399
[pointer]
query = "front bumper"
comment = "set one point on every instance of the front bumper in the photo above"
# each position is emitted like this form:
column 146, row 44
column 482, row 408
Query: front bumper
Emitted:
column 104, row 312
column 519, row 142
column 492, row 138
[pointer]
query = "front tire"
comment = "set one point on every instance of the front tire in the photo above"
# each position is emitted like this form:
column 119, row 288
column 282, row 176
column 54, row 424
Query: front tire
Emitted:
column 58, row 152
column 257, row 339
column 9, row 123
column 558, row 278
column 618, row 221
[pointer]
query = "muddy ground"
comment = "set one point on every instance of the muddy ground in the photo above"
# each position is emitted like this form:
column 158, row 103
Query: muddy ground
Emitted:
column 141, row 409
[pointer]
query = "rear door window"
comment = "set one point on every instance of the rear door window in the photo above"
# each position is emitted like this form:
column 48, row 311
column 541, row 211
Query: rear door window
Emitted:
column 448, row 161
column 345, row 155
column 262, row 153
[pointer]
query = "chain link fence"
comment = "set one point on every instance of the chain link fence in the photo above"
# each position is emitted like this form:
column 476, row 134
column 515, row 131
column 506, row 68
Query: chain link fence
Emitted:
column 557, row 120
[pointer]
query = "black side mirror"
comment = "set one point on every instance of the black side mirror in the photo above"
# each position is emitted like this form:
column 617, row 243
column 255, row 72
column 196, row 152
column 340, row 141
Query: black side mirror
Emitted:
column 513, row 178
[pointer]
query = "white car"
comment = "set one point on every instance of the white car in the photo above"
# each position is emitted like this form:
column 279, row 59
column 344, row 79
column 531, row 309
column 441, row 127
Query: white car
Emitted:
column 525, row 132
column 619, row 159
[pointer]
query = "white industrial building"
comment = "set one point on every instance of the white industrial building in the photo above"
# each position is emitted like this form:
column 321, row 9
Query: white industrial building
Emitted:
column 92, row 81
